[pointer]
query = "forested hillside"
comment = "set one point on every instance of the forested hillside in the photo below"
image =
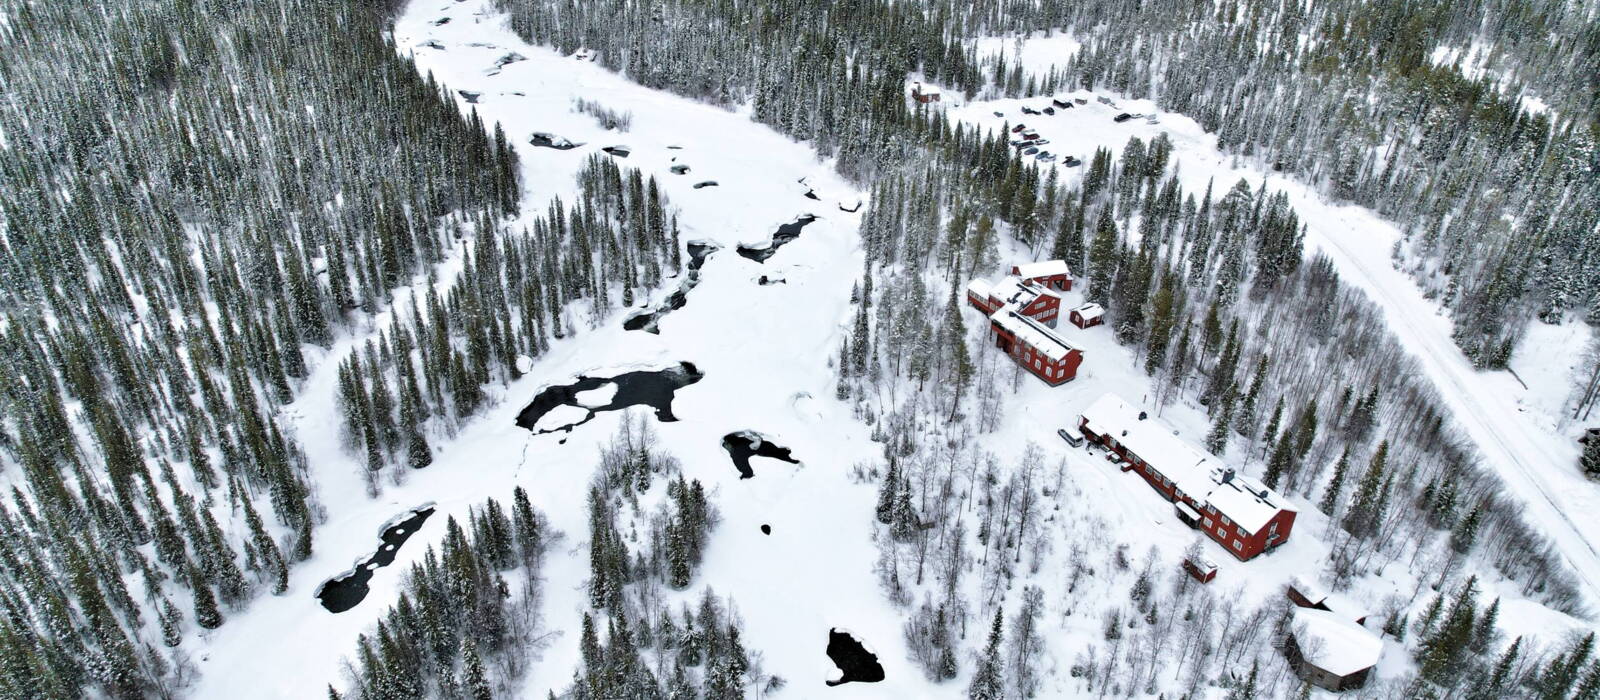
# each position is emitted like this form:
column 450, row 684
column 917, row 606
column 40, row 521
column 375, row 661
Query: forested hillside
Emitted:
column 193, row 194
column 204, row 202
column 1495, row 197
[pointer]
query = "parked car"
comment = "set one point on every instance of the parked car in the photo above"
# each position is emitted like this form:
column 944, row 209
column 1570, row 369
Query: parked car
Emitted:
column 1072, row 162
column 999, row 114
column 1018, row 128
column 1029, row 110
column 1050, row 111
column 1047, row 156
column 1073, row 440
column 1120, row 118
column 1041, row 142
column 1061, row 103
column 1030, row 150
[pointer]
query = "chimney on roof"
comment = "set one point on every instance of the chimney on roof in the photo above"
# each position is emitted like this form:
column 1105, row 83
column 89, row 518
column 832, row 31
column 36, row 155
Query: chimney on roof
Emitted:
column 1227, row 476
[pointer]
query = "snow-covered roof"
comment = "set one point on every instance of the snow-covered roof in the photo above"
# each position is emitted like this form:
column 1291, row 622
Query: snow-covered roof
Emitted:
column 1043, row 268
column 1043, row 340
column 978, row 287
column 1334, row 644
column 1309, row 589
column 1090, row 311
column 1011, row 290
column 926, row 89
column 1245, row 501
column 1344, row 606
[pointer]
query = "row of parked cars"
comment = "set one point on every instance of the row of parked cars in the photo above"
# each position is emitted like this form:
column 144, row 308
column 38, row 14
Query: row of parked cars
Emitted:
column 1031, row 144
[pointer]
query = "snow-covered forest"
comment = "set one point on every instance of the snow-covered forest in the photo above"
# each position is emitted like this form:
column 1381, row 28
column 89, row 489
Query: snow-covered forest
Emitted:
column 633, row 337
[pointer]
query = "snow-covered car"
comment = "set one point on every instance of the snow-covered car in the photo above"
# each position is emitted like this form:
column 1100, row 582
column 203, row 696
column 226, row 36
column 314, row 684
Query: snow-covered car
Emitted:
column 1041, row 142
column 1073, row 440
column 1047, row 156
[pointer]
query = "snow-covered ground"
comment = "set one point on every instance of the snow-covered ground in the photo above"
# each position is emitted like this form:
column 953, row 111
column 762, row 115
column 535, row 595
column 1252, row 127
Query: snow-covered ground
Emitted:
column 765, row 351
column 1531, row 451
column 1036, row 52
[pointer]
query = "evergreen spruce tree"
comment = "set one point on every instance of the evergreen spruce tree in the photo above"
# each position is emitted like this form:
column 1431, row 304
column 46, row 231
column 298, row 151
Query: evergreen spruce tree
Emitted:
column 1362, row 518
column 1590, row 460
column 888, row 491
column 474, row 679
column 1330, row 495
column 988, row 681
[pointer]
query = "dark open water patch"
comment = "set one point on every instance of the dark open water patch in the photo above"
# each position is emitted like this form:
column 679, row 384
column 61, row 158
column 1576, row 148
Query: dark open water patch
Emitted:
column 653, row 388
column 647, row 320
column 856, row 664
column 547, row 140
column 786, row 233
column 345, row 592
column 743, row 445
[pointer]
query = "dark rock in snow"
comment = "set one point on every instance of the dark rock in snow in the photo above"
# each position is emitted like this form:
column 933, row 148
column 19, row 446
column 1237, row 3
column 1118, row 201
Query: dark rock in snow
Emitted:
column 766, row 529
column 440, row 22
column 432, row 44
column 509, row 59
column 707, row 183
column 618, row 151
column 471, row 96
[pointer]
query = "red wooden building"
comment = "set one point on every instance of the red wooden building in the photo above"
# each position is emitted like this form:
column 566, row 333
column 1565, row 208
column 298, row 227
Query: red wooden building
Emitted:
column 1022, row 317
column 925, row 93
column 1088, row 315
column 1242, row 515
column 1052, row 274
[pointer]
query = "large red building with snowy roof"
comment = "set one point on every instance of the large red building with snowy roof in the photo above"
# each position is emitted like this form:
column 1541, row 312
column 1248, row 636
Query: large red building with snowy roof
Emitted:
column 1242, row 515
column 1022, row 317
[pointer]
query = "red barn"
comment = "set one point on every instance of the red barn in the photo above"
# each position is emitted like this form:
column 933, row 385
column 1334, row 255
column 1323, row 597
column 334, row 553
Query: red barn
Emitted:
column 1051, row 274
column 1022, row 316
column 1242, row 515
column 1088, row 315
column 925, row 93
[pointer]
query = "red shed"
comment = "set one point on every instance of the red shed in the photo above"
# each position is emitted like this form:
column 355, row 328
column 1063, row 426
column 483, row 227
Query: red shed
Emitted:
column 1088, row 315
column 1240, row 514
column 924, row 93
column 1201, row 568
